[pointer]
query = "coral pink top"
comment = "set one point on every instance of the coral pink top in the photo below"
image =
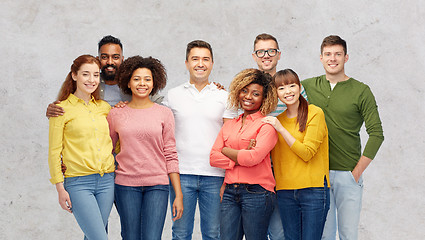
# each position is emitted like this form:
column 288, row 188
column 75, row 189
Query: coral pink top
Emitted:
column 254, row 164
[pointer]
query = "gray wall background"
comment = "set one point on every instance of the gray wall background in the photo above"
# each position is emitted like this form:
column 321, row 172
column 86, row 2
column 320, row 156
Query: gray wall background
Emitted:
column 41, row 38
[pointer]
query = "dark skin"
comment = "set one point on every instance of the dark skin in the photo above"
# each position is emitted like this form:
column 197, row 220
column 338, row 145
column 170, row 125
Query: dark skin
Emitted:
column 252, row 144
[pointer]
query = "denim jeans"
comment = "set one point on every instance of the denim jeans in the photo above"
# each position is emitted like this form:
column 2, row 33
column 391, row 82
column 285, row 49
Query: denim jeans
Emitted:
column 275, row 231
column 142, row 211
column 345, row 206
column 92, row 197
column 206, row 191
column 246, row 209
column 303, row 212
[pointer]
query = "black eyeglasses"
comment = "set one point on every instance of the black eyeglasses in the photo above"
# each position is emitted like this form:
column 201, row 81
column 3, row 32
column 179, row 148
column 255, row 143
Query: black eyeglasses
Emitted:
column 270, row 52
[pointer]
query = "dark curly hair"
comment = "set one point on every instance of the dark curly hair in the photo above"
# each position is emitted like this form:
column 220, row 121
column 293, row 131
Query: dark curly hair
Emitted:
column 131, row 64
column 250, row 76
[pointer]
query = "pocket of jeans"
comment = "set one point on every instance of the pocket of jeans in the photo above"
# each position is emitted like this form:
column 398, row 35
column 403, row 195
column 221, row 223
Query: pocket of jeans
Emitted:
column 255, row 189
column 359, row 183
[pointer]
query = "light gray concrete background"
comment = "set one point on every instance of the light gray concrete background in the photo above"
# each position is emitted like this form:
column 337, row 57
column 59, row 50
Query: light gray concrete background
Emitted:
column 39, row 40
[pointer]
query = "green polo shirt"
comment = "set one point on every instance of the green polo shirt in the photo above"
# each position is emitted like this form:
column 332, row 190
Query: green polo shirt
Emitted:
column 346, row 107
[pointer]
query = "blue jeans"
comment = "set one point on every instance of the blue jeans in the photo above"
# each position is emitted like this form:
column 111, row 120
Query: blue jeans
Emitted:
column 92, row 197
column 205, row 190
column 345, row 205
column 142, row 210
column 303, row 212
column 275, row 231
column 246, row 209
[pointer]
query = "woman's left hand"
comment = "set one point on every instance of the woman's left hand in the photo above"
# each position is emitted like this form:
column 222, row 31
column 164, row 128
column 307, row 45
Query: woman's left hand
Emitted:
column 177, row 208
column 274, row 122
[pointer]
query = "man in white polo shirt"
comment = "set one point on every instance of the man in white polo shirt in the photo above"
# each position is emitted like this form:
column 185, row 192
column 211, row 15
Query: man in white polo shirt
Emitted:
column 199, row 109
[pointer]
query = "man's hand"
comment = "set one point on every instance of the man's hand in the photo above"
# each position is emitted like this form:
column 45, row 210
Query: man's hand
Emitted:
column 362, row 164
column 219, row 86
column 63, row 168
column 120, row 104
column 54, row 110
column 223, row 187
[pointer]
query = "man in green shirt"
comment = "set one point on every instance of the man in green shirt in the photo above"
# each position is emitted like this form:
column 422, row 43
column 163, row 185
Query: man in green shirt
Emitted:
column 347, row 103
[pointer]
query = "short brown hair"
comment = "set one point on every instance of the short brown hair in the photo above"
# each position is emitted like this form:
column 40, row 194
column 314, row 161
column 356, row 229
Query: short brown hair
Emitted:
column 265, row 36
column 131, row 64
column 249, row 76
column 198, row 44
column 69, row 85
column 332, row 40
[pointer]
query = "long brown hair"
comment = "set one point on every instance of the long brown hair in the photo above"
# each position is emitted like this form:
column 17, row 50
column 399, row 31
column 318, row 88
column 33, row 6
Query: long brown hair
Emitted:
column 69, row 85
column 288, row 76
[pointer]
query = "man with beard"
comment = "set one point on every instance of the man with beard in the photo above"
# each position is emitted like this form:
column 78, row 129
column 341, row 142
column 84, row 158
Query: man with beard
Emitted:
column 110, row 55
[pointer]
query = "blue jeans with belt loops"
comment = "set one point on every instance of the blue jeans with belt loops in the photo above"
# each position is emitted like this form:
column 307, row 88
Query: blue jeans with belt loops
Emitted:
column 92, row 197
column 246, row 210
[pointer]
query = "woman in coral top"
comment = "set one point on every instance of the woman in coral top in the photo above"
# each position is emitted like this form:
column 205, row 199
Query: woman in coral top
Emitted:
column 249, row 196
column 300, row 161
column 80, row 139
column 147, row 161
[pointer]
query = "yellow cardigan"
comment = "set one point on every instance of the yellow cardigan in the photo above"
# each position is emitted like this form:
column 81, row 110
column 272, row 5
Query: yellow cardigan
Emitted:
column 306, row 163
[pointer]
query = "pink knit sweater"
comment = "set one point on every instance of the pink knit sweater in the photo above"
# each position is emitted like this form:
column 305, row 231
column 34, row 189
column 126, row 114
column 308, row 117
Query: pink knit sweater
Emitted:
column 148, row 147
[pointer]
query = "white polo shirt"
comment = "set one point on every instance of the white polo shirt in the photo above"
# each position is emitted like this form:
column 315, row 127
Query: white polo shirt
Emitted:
column 199, row 118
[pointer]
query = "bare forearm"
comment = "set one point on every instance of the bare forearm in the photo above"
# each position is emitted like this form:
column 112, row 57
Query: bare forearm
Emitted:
column 231, row 153
column 175, row 182
column 362, row 164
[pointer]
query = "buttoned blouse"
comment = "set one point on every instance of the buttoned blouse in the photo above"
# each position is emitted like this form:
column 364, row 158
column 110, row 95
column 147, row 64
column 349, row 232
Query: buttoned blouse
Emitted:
column 81, row 137
column 254, row 164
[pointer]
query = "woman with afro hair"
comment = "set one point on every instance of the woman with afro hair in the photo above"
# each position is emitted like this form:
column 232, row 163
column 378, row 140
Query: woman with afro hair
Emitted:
column 147, row 160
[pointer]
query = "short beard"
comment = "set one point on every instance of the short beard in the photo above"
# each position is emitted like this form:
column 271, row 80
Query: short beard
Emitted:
column 107, row 77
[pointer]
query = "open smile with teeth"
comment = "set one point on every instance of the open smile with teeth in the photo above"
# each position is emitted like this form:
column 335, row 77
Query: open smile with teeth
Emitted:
column 289, row 97
column 90, row 85
column 142, row 90
column 247, row 103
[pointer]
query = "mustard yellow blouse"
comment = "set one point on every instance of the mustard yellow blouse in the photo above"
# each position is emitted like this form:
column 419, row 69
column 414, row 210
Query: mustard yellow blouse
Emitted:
column 81, row 137
column 306, row 163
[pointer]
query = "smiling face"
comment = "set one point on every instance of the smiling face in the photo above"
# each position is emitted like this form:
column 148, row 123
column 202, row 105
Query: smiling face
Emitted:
column 251, row 98
column 333, row 59
column 266, row 63
column 289, row 94
column 110, row 57
column 199, row 63
column 87, row 79
column 141, row 83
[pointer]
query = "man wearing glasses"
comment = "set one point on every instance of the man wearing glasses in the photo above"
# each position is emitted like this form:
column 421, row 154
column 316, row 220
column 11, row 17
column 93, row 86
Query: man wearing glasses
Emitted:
column 267, row 55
